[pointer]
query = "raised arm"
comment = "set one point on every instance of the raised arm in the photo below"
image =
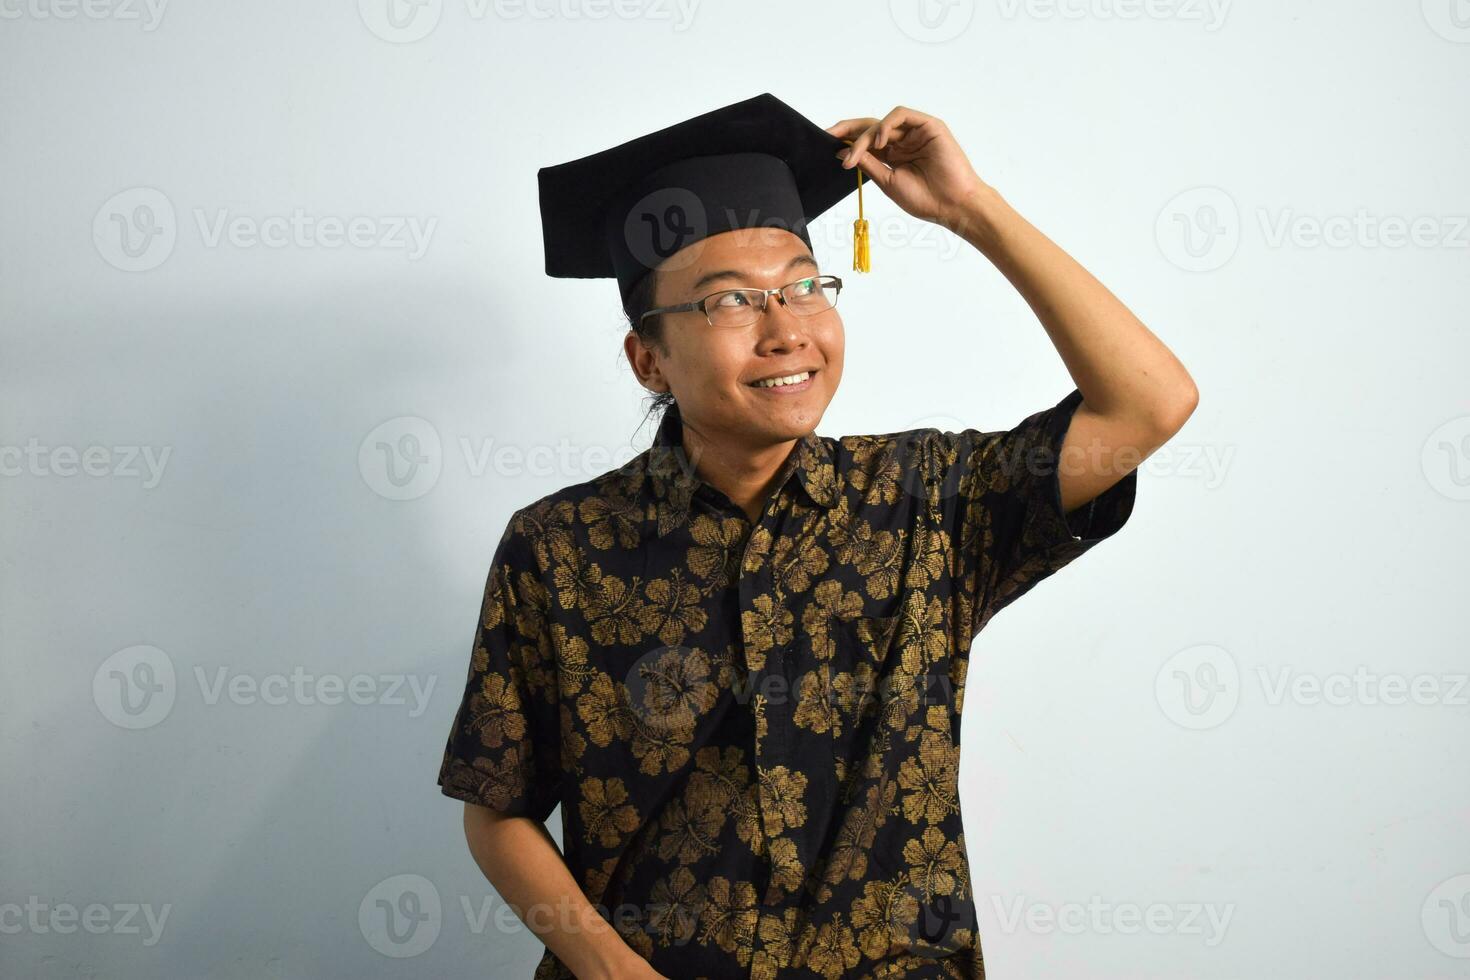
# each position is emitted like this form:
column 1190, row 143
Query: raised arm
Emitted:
column 1135, row 393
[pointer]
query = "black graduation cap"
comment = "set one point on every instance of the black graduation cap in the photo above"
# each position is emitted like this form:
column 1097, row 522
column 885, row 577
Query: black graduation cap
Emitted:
column 623, row 211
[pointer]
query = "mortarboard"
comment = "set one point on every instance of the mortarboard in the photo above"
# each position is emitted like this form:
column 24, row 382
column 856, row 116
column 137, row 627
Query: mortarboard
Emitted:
column 621, row 212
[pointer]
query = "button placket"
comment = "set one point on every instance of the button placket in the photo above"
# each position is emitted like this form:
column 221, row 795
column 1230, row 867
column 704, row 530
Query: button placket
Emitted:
column 775, row 749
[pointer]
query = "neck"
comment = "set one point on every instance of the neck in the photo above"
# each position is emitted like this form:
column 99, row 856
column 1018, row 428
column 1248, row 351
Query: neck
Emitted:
column 744, row 473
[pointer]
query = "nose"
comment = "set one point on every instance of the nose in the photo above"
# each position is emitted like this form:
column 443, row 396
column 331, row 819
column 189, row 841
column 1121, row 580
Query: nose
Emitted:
column 780, row 329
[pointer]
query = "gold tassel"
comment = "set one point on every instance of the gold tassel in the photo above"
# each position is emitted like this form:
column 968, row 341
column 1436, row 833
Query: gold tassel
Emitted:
column 860, row 257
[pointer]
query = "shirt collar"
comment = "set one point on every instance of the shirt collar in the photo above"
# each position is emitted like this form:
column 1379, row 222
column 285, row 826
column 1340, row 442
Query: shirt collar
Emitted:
column 672, row 481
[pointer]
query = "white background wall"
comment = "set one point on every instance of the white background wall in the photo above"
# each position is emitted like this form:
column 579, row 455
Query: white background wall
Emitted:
column 1245, row 177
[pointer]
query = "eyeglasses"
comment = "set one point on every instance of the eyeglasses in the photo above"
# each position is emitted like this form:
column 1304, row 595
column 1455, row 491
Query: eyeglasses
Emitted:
column 742, row 307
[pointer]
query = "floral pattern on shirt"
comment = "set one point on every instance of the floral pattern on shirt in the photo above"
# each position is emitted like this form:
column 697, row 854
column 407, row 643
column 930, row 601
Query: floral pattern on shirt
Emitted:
column 752, row 728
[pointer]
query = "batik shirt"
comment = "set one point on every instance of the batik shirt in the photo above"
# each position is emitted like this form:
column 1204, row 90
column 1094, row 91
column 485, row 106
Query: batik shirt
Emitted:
column 752, row 727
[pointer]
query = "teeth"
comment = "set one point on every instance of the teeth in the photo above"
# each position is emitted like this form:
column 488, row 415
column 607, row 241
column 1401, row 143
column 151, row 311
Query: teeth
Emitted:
column 790, row 379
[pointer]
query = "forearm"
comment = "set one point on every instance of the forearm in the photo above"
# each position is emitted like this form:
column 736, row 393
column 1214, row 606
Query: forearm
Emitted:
column 1121, row 368
column 522, row 862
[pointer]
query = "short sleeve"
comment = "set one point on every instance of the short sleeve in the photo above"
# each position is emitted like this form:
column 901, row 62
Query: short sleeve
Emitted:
column 504, row 746
column 1005, row 515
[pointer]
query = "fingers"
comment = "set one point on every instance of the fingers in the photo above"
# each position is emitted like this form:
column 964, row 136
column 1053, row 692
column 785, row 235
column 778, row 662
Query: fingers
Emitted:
column 849, row 128
column 860, row 147
column 872, row 166
column 873, row 139
column 899, row 121
column 862, row 153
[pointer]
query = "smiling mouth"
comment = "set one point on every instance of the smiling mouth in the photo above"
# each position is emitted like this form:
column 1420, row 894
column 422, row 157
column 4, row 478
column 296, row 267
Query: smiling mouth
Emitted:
column 784, row 381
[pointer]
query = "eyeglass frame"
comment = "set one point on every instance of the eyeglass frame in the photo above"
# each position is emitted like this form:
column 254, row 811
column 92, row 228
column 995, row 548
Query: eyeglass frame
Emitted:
column 779, row 293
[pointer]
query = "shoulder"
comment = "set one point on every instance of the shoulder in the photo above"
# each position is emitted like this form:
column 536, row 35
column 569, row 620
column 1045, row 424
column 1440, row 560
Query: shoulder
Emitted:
column 561, row 518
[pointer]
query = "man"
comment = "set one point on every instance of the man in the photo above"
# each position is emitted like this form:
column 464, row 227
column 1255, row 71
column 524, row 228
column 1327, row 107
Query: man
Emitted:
column 738, row 661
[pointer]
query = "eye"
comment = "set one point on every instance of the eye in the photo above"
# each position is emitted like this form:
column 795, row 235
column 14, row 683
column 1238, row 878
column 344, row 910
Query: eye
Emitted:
column 735, row 298
column 804, row 287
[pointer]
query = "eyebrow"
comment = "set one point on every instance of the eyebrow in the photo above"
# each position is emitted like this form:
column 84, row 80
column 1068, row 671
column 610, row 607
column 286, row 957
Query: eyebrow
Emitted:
column 710, row 277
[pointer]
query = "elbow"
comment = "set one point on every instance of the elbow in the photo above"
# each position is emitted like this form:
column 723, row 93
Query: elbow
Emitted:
column 1170, row 417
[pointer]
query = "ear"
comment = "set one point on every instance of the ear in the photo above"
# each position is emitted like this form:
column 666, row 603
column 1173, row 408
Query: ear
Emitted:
column 644, row 361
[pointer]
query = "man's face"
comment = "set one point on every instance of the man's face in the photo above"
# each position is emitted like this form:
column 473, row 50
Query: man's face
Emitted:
column 710, row 369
